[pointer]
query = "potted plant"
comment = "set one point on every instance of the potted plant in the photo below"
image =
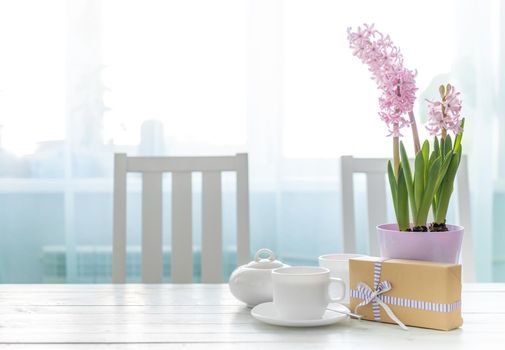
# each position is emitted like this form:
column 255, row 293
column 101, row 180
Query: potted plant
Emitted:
column 427, row 183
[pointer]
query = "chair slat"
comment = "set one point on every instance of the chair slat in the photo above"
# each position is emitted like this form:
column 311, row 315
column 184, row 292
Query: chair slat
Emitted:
column 369, row 165
column 181, row 164
column 349, row 226
column 377, row 210
column 242, row 209
column 182, row 232
column 464, row 217
column 212, row 238
column 152, row 243
column 119, row 219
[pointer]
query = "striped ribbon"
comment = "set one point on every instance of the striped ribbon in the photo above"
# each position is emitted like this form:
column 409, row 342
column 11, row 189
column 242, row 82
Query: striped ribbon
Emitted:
column 378, row 299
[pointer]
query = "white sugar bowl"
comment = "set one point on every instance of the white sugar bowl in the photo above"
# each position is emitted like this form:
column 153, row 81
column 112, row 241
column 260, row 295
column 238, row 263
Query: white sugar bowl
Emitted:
column 252, row 283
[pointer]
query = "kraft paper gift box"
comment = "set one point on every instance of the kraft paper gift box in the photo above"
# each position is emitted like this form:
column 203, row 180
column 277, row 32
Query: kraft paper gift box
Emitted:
column 417, row 293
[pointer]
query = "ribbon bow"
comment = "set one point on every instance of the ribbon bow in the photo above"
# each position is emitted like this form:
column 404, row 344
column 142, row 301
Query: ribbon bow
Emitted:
column 374, row 297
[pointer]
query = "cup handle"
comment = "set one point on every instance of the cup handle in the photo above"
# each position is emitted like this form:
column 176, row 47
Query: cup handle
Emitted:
column 342, row 283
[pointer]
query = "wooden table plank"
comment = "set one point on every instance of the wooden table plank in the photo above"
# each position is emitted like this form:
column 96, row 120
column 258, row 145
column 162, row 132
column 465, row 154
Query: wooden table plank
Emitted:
column 197, row 316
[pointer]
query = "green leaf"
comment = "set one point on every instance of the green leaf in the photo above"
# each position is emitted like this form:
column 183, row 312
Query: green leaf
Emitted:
column 408, row 177
column 394, row 186
column 448, row 145
column 418, row 180
column 429, row 193
column 446, row 162
column 436, row 146
column 426, row 155
column 403, row 201
column 433, row 156
column 457, row 141
column 447, row 186
column 426, row 150
column 443, row 169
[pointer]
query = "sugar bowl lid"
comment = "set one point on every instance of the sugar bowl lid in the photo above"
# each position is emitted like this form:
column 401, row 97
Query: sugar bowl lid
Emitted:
column 264, row 259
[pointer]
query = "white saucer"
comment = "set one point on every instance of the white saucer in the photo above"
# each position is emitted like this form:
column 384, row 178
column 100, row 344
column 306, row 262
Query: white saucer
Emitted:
column 266, row 313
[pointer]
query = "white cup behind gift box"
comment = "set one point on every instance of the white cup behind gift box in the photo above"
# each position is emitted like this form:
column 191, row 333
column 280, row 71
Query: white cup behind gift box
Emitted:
column 303, row 292
column 338, row 264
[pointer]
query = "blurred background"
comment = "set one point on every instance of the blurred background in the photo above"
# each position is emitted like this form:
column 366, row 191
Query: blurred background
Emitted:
column 80, row 80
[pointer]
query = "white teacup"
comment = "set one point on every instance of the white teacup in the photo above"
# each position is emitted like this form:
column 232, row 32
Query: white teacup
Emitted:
column 302, row 292
column 338, row 264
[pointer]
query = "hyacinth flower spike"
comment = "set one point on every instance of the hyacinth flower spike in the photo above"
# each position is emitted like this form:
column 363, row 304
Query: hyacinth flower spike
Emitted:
column 444, row 116
column 396, row 83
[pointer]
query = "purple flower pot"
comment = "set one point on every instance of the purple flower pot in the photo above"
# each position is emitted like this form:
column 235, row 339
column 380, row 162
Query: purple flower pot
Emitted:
column 429, row 246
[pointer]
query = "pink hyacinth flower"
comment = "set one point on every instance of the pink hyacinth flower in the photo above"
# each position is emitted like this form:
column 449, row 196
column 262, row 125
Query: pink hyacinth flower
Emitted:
column 445, row 114
column 385, row 62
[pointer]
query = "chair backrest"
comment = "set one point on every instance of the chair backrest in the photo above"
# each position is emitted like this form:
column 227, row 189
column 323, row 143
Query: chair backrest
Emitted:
column 181, row 168
column 375, row 171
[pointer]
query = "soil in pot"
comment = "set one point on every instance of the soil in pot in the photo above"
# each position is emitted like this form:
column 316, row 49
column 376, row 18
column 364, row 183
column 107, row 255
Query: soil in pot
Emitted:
column 434, row 227
column 418, row 229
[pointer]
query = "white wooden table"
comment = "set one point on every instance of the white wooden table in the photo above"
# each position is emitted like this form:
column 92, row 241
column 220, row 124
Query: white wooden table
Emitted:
column 199, row 316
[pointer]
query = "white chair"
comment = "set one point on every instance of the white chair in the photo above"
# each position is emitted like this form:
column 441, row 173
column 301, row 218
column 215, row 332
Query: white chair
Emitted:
column 375, row 170
column 181, row 168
